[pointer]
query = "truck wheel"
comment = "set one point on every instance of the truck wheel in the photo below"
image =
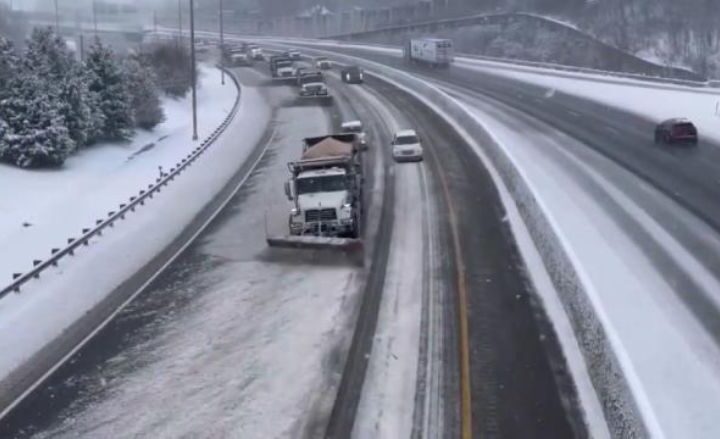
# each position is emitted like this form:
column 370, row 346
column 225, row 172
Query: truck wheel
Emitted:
column 355, row 232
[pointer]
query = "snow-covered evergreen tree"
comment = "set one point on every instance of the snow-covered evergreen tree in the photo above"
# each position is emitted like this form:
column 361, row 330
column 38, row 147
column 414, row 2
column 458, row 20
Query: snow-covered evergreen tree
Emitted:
column 9, row 63
column 35, row 131
column 48, row 56
column 141, row 82
column 107, row 80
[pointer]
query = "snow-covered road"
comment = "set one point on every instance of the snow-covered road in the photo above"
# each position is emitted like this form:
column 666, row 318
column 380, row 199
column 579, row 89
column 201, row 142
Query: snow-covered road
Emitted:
column 236, row 340
column 629, row 242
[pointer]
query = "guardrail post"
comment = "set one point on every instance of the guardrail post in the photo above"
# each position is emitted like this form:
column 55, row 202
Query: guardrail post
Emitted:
column 16, row 275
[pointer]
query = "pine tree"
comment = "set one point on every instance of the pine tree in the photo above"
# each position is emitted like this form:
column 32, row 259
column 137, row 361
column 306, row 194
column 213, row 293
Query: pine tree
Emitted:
column 141, row 82
column 107, row 80
column 48, row 56
column 9, row 63
column 35, row 132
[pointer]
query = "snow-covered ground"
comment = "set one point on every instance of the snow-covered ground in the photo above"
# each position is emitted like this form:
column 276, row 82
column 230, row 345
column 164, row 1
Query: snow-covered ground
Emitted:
column 41, row 209
column 47, row 306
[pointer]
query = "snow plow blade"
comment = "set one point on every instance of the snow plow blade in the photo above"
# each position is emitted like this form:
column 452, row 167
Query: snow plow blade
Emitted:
column 315, row 242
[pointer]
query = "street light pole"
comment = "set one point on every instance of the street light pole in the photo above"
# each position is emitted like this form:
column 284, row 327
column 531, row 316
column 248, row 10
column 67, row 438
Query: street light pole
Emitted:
column 192, row 67
column 222, row 46
column 180, row 21
column 57, row 18
column 94, row 12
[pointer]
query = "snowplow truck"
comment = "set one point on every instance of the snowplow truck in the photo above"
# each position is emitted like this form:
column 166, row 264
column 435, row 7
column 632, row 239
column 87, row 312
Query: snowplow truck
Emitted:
column 326, row 189
column 313, row 89
column 282, row 68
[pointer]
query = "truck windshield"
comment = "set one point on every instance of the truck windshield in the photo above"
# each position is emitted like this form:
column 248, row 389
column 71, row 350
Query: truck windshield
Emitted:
column 309, row 79
column 310, row 185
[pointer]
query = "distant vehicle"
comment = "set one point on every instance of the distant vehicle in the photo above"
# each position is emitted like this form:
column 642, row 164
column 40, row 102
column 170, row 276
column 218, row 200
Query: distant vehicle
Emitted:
column 435, row 52
column 300, row 71
column 406, row 147
column 282, row 67
column 678, row 130
column 313, row 89
column 352, row 75
column 256, row 52
column 322, row 63
column 293, row 54
column 355, row 127
column 240, row 59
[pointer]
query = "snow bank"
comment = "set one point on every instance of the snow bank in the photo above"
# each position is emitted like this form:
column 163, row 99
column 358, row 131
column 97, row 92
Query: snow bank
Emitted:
column 48, row 311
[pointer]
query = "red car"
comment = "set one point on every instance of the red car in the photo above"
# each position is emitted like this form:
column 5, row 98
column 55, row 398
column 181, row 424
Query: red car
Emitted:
column 676, row 131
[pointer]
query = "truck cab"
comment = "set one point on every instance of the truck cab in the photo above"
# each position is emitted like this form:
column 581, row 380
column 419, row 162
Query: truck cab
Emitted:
column 355, row 127
column 326, row 187
column 256, row 52
column 285, row 69
column 312, row 84
column 240, row 58
column 322, row 63
column 324, row 203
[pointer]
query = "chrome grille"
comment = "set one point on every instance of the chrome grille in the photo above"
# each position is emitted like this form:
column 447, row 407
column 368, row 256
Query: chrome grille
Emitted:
column 317, row 215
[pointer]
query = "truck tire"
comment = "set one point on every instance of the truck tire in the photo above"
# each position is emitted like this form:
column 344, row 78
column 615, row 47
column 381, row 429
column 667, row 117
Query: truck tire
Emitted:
column 355, row 231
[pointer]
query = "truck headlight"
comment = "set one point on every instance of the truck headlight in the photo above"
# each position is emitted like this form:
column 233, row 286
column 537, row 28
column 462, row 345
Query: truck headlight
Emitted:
column 294, row 211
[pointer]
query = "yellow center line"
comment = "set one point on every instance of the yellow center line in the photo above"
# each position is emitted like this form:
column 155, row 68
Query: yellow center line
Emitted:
column 465, row 399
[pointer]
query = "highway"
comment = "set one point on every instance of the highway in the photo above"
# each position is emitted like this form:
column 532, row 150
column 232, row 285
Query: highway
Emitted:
column 441, row 333
column 190, row 347
column 667, row 212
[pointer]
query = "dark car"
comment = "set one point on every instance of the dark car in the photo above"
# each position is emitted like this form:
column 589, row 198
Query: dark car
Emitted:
column 352, row 75
column 676, row 131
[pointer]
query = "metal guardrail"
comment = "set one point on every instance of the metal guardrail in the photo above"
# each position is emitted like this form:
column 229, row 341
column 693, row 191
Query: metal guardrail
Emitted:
column 135, row 201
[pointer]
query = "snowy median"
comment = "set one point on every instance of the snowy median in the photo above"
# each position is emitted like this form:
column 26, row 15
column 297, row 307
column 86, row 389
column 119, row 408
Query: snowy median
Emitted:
column 49, row 207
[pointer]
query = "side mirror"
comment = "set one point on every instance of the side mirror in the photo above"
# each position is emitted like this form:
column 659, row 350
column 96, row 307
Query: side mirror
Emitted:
column 288, row 191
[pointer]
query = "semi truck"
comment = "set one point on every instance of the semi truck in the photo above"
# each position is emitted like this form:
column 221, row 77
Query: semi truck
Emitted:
column 434, row 52
column 326, row 189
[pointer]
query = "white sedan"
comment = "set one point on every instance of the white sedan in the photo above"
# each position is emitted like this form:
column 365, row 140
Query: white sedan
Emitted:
column 406, row 147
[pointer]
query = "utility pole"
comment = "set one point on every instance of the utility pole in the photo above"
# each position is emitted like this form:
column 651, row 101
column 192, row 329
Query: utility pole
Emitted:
column 57, row 18
column 94, row 12
column 180, row 21
column 222, row 46
column 192, row 67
